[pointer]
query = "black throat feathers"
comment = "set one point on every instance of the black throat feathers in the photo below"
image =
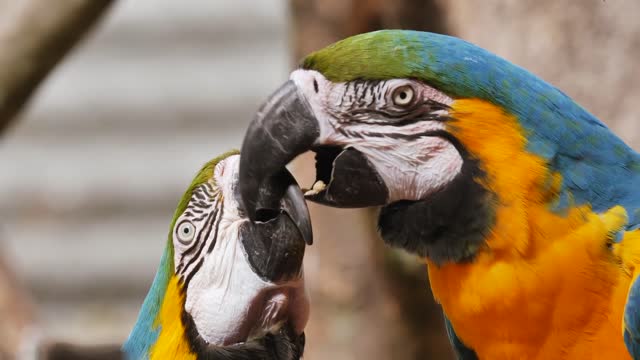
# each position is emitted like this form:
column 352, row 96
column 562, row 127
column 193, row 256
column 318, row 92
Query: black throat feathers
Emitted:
column 451, row 224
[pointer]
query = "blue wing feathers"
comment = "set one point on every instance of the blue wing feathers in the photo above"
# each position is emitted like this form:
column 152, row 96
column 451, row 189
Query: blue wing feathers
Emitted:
column 632, row 320
column 598, row 168
column 145, row 333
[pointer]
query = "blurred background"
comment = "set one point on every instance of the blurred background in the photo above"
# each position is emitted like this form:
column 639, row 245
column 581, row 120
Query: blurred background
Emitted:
column 92, row 169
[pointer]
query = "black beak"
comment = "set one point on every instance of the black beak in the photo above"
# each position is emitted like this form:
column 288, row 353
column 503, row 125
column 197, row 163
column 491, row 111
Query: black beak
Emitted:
column 285, row 127
column 275, row 241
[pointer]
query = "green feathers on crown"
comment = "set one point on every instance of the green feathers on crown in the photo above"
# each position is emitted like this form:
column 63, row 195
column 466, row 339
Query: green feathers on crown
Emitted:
column 205, row 173
column 382, row 54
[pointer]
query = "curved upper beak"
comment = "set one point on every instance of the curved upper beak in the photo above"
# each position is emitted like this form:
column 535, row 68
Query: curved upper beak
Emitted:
column 285, row 127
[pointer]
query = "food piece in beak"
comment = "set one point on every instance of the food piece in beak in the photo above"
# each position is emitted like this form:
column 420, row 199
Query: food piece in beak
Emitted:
column 353, row 182
column 285, row 127
column 317, row 187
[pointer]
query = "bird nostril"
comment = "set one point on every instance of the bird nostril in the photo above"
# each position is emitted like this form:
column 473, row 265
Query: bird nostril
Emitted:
column 265, row 215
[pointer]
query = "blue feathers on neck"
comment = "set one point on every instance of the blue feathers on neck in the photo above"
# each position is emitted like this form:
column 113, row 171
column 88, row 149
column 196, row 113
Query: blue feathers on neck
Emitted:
column 145, row 333
column 597, row 167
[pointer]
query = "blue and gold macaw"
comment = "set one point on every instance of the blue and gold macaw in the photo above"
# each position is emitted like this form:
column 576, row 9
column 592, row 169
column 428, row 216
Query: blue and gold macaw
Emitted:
column 525, row 206
column 228, row 288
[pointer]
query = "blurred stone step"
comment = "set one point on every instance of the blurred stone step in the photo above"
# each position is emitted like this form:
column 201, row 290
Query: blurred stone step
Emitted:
column 223, row 80
column 103, row 174
column 107, row 258
column 130, row 16
column 137, row 120
column 92, row 173
column 89, row 322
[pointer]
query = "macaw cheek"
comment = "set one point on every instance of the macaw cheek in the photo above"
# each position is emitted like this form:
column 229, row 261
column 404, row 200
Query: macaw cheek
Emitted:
column 355, row 183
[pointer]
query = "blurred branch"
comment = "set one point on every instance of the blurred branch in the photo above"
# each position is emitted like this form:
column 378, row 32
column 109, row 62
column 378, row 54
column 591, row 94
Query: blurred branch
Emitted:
column 34, row 36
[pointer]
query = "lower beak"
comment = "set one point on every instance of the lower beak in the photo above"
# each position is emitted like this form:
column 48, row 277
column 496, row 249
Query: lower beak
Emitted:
column 279, row 195
column 275, row 241
column 285, row 127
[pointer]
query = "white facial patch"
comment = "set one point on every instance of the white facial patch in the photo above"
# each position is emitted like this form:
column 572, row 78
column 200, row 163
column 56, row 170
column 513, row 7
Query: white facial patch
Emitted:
column 410, row 157
column 220, row 294
column 413, row 171
column 222, row 289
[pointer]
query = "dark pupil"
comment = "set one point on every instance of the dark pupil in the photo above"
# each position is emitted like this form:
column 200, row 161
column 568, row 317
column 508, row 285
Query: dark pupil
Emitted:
column 403, row 95
column 186, row 230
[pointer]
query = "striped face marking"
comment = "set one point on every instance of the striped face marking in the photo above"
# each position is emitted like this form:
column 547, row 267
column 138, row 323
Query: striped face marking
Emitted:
column 196, row 231
column 211, row 261
column 400, row 125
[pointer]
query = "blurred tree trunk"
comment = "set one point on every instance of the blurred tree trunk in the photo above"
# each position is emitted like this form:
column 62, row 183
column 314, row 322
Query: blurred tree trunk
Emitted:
column 34, row 36
column 318, row 23
column 368, row 301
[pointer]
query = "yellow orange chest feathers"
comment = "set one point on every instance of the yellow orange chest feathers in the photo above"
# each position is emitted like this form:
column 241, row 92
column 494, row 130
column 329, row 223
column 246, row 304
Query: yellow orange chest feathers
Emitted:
column 545, row 285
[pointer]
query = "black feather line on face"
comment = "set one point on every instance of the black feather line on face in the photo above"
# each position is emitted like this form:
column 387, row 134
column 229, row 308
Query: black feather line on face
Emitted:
column 197, row 244
column 284, row 344
column 371, row 94
column 195, row 269
column 386, row 115
column 217, row 230
column 399, row 136
column 427, row 110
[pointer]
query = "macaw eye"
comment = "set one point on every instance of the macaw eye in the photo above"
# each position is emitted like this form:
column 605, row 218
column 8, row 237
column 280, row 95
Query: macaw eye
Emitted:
column 185, row 232
column 403, row 95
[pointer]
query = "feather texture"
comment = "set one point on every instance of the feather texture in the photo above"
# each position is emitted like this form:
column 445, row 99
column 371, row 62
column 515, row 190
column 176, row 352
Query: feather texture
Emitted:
column 597, row 167
column 557, row 278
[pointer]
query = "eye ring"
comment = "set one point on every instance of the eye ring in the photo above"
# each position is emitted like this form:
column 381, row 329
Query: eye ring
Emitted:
column 185, row 232
column 403, row 95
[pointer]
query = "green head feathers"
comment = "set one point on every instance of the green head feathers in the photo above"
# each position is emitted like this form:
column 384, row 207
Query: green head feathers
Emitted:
column 377, row 55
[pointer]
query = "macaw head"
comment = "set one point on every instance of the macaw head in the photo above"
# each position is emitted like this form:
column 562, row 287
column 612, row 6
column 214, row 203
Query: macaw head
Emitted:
column 224, row 279
column 441, row 133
